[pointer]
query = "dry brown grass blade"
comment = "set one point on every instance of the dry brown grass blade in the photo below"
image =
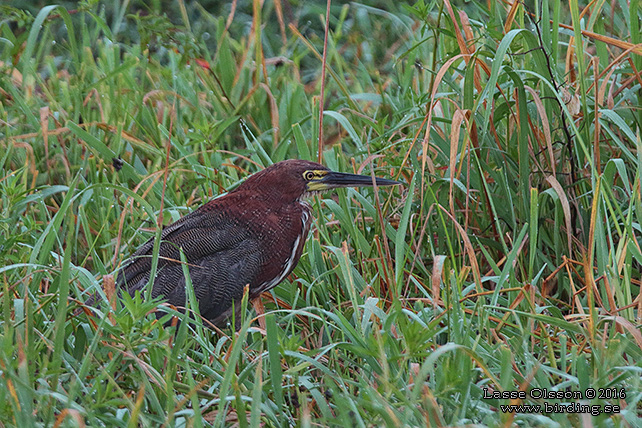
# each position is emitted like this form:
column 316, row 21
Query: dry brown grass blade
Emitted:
column 460, row 39
column 278, row 8
column 230, row 17
column 428, row 120
column 569, row 63
column 511, row 16
column 468, row 31
column 566, row 208
column 515, row 303
column 636, row 72
column 639, row 299
column 611, row 68
column 609, row 295
column 94, row 93
column 455, row 129
column 159, row 93
column 437, row 273
column 637, row 49
column 575, row 299
column 30, row 161
column 470, row 43
column 629, row 326
column 469, row 250
column 589, row 257
column 259, row 308
column 467, row 49
column 109, row 287
column 12, row 391
column 546, row 128
column 44, row 127
column 255, row 37
column 74, row 414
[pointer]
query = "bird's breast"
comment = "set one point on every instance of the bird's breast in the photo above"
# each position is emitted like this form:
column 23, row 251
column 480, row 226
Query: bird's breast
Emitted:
column 283, row 235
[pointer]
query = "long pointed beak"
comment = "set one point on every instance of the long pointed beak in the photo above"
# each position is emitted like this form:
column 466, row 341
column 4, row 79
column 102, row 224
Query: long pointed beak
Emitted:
column 333, row 180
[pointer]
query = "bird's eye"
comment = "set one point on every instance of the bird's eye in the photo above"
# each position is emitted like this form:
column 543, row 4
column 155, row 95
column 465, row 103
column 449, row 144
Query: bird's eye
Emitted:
column 308, row 175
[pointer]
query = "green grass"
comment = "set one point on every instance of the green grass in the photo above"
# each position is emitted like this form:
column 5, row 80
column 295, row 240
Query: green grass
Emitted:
column 510, row 260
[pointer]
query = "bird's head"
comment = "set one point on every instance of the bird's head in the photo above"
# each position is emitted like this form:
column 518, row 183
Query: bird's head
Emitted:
column 295, row 179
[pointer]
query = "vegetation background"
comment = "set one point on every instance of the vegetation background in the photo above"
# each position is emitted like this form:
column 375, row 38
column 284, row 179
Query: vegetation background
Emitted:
column 510, row 260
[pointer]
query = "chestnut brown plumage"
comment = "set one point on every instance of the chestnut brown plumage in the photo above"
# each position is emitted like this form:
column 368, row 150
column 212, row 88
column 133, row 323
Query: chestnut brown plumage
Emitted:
column 252, row 235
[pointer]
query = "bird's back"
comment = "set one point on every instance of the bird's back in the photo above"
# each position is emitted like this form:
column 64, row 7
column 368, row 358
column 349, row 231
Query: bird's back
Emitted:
column 231, row 241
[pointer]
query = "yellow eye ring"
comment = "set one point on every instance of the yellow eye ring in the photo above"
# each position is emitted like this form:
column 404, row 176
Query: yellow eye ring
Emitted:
column 308, row 175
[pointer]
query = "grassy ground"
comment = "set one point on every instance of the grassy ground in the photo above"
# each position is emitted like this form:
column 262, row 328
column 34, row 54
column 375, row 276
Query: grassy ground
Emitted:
column 509, row 261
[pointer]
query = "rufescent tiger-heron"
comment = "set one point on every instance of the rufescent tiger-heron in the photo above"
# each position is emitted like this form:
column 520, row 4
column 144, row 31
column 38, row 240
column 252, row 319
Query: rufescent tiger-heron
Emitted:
column 253, row 235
